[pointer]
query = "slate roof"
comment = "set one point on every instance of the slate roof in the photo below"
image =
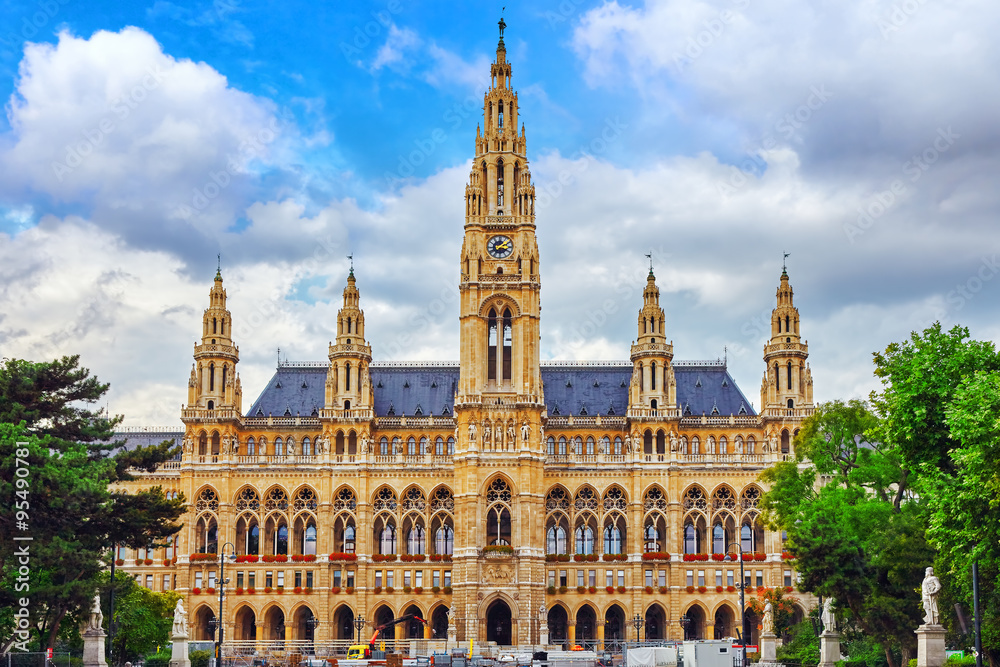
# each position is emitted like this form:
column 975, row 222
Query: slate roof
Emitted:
column 150, row 435
column 570, row 388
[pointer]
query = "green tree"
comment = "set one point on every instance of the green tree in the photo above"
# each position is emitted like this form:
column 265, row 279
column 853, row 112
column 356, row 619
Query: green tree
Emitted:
column 859, row 535
column 72, row 516
column 940, row 406
column 144, row 618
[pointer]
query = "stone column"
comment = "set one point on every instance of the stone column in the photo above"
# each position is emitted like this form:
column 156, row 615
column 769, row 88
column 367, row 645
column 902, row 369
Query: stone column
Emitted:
column 571, row 632
column 600, row 635
column 829, row 648
column 930, row 645
column 768, row 647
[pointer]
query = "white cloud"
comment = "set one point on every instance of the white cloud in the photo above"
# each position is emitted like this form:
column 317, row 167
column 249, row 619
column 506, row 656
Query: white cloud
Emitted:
column 395, row 48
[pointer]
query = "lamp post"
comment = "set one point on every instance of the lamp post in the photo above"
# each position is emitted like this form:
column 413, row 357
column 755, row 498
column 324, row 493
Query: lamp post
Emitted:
column 637, row 622
column 222, row 586
column 743, row 616
column 359, row 623
column 312, row 622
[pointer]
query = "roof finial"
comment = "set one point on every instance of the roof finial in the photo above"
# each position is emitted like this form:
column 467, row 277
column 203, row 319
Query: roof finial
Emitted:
column 218, row 270
column 351, row 257
column 649, row 256
column 502, row 23
column 279, row 357
column 784, row 268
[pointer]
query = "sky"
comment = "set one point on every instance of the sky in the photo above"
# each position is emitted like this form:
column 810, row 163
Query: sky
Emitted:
column 141, row 140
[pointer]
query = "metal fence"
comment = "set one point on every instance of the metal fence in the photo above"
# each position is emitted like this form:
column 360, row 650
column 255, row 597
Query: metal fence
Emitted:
column 39, row 659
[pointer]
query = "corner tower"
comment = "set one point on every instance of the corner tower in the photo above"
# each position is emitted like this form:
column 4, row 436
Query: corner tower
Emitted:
column 787, row 383
column 499, row 327
column 654, row 387
column 347, row 384
column 213, row 384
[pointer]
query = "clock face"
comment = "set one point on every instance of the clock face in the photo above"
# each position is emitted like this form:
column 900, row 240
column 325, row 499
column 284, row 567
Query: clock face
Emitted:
column 500, row 247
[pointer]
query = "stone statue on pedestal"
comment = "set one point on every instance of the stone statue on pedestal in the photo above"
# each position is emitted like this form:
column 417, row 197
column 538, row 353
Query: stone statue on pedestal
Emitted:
column 827, row 616
column 767, row 620
column 180, row 620
column 929, row 590
column 96, row 619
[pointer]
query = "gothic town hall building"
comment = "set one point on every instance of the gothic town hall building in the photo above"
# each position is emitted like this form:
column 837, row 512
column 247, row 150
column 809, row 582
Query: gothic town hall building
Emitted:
column 504, row 499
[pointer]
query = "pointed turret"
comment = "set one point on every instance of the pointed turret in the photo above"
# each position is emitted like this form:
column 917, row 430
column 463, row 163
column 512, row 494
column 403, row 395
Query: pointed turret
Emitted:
column 654, row 387
column 787, row 383
column 213, row 383
column 348, row 388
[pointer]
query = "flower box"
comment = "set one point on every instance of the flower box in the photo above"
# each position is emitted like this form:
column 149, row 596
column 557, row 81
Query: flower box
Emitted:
column 349, row 590
column 210, row 590
column 281, row 558
column 759, row 555
column 307, row 590
column 417, row 590
column 447, row 590
column 419, row 558
column 562, row 589
column 377, row 589
column 201, row 556
column 195, row 591
column 563, row 558
column 435, row 558
column 578, row 558
column 406, row 589
column 308, row 558
column 446, row 558
column 138, row 561
column 761, row 590
column 551, row 590
column 663, row 589
column 296, row 558
column 166, row 562
column 592, row 589
column 718, row 557
column 406, row 558
column 610, row 589
column 251, row 591
column 788, row 589
column 718, row 589
column 730, row 589
column 335, row 590
column 581, row 589
column 746, row 557
column 621, row 589
column 787, row 556
column 340, row 555
column 649, row 590
column 120, row 562
column 389, row 589
column 656, row 555
column 247, row 558
column 695, row 557
column 550, row 558
column 267, row 589
column 148, row 561
column 690, row 589
column 279, row 590
column 267, row 558
column 297, row 590
column 499, row 549
column 702, row 589
column 239, row 591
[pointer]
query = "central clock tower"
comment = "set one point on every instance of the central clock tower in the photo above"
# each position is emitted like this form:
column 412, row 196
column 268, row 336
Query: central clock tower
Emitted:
column 499, row 263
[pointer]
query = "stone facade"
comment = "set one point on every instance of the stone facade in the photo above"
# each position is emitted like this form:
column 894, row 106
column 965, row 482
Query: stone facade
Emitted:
column 593, row 491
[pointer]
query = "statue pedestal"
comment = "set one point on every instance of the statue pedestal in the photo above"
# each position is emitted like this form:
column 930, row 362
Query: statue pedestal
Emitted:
column 543, row 635
column 179, row 652
column 768, row 647
column 829, row 648
column 93, row 648
column 930, row 645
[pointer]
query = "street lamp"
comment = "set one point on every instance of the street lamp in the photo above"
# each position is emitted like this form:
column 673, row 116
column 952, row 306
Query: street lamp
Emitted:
column 222, row 586
column 684, row 621
column 741, row 586
column 359, row 623
column 637, row 622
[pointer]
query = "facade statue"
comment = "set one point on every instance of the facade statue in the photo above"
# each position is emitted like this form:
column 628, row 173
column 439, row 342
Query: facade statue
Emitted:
column 929, row 590
column 673, row 441
column 525, row 431
column 510, row 434
column 291, row 447
column 472, row 432
column 180, row 620
column 96, row 619
column 829, row 620
column 739, row 445
column 767, row 620
column 628, row 444
column 364, row 443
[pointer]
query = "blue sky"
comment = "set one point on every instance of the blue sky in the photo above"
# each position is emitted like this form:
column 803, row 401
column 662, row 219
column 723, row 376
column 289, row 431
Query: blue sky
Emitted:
column 142, row 139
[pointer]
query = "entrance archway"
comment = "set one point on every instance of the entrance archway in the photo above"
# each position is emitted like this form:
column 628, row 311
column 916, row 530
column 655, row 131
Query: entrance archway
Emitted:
column 439, row 622
column 586, row 627
column 614, row 628
column 498, row 623
column 246, row 624
column 752, row 621
column 413, row 629
column 274, row 624
column 203, row 616
column 558, row 622
column 304, row 629
column 696, row 628
column 656, row 623
column 343, row 623
column 725, row 622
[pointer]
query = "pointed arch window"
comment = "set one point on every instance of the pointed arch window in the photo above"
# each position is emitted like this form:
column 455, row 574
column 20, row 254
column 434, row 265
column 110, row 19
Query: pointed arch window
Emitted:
column 500, row 115
column 585, row 540
column 777, row 377
column 347, row 378
column 652, row 377
column 281, row 540
column 491, row 355
column 555, row 540
column 789, row 388
column 211, row 377
column 508, row 343
column 444, row 540
column 499, row 184
column 225, row 367
column 253, row 540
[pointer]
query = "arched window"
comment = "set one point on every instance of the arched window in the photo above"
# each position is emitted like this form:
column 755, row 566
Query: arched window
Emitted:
column 612, row 539
column 491, row 353
column 785, row 441
column 499, row 185
column 347, row 378
column 439, row 447
column 309, row 541
column 585, row 540
column 789, row 376
column 253, row 540
column 251, row 446
column 411, row 447
column 690, row 539
column 562, row 445
column 383, row 446
column 791, row 404
column 500, row 115
column 498, row 498
column 451, row 446
column 746, row 538
column 211, row 377
column 651, row 537
column 508, row 343
column 550, row 446
column 281, row 540
column 718, row 539
column 444, row 540
column 415, row 540
column 652, row 377
column 555, row 540
column 349, row 539
column 387, row 539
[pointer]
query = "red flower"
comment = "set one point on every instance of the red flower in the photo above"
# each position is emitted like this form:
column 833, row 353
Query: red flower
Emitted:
column 377, row 589
column 702, row 589
column 418, row 590
column 621, row 589
column 592, row 590
column 335, row 590
column 120, row 562
column 239, row 591
column 210, row 590
column 298, row 589
column 251, row 591
column 719, row 557
column 690, row 589
column 718, row 589
column 349, row 590
column 649, row 589
column 610, row 589
column 195, row 591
